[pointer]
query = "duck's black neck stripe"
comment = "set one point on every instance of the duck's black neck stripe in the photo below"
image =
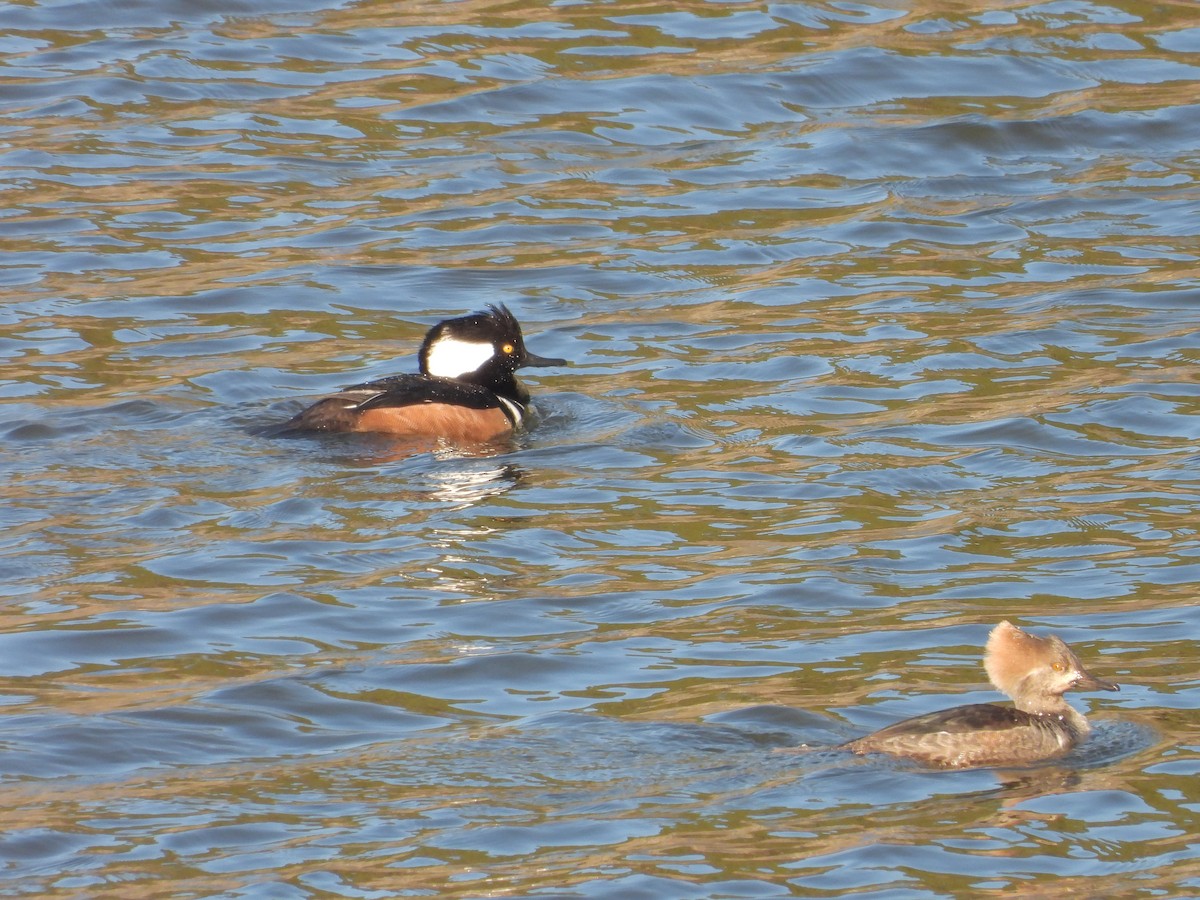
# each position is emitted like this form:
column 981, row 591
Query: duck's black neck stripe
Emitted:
column 515, row 411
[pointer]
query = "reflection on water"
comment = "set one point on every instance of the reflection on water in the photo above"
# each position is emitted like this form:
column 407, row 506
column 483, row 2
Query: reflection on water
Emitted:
column 883, row 326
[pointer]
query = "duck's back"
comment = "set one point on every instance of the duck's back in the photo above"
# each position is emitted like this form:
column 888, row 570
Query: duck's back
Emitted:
column 981, row 734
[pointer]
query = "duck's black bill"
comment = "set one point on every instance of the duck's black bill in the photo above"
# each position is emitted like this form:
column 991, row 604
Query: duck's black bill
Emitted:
column 1090, row 682
column 532, row 359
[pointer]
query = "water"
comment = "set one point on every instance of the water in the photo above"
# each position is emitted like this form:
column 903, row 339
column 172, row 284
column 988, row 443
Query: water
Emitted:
column 883, row 322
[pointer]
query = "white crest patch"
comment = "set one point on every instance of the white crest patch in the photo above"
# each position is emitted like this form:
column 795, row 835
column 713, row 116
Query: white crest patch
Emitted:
column 450, row 358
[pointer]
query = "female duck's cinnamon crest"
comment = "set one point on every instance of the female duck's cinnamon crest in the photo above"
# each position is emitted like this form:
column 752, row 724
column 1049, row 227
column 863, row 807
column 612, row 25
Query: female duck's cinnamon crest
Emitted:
column 1035, row 672
column 467, row 390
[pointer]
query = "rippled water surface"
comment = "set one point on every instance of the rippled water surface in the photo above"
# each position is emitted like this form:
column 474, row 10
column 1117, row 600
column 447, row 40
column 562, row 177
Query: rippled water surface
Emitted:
column 884, row 325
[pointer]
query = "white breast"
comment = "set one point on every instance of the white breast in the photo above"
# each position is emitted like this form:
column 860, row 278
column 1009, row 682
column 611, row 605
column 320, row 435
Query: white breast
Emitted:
column 518, row 414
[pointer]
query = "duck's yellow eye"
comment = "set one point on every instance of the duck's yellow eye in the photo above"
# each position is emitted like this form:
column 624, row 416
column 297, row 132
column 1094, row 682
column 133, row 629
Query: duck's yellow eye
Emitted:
column 508, row 348
column 1057, row 667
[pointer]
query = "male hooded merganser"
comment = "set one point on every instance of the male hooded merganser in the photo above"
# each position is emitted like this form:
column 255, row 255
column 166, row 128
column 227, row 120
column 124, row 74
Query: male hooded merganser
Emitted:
column 467, row 391
column 1035, row 672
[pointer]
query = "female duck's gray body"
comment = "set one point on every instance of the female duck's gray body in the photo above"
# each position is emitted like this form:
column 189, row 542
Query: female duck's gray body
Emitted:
column 1035, row 672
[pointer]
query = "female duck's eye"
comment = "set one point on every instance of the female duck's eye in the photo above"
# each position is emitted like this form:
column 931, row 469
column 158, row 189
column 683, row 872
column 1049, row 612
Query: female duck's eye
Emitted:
column 508, row 348
column 1057, row 667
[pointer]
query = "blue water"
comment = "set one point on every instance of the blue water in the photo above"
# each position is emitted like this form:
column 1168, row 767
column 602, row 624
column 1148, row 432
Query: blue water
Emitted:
column 883, row 326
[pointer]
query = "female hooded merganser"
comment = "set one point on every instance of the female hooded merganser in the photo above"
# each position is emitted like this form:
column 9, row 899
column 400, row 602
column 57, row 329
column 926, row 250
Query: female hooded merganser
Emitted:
column 1035, row 672
column 467, row 391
